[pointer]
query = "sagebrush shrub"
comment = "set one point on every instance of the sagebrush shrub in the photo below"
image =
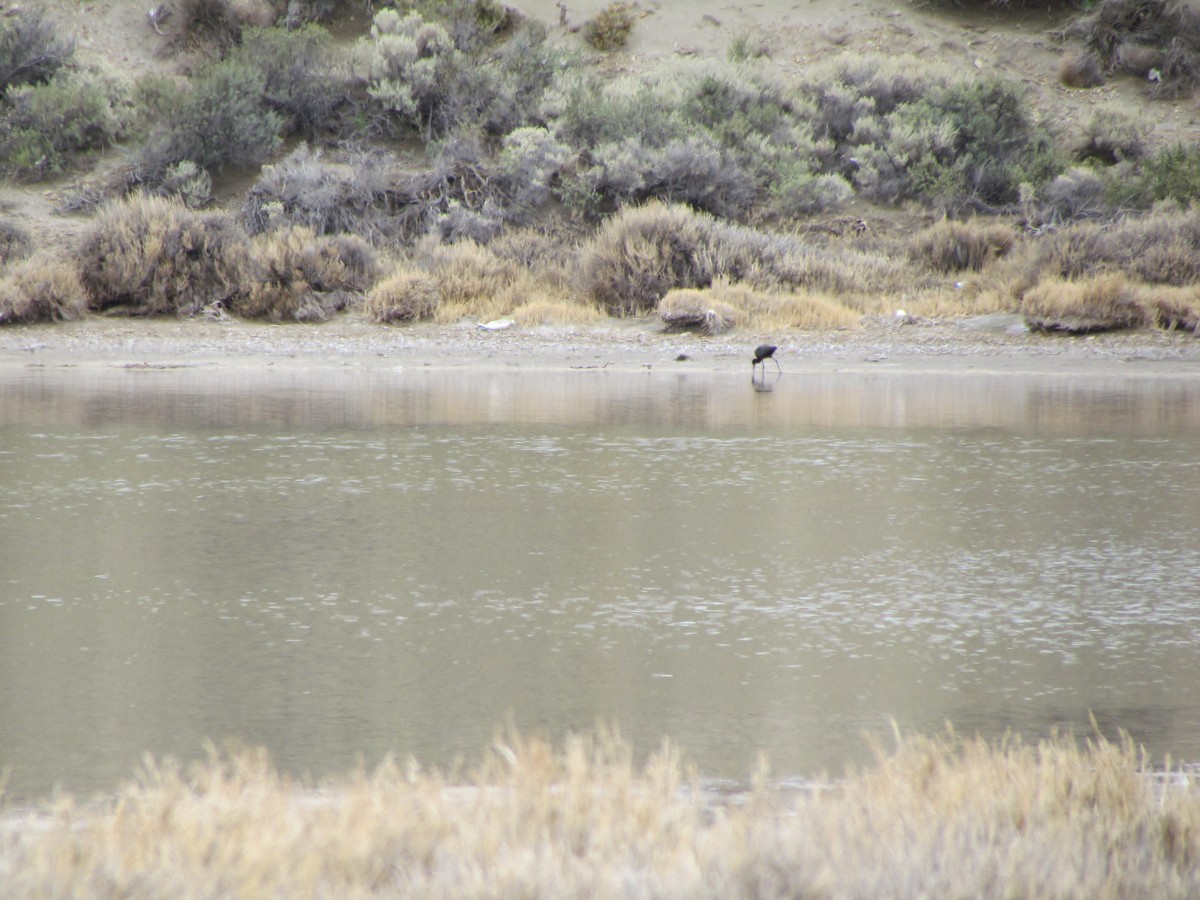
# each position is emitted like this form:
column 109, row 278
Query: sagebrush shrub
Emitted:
column 1110, row 138
column 30, row 50
column 223, row 121
column 45, row 125
column 153, row 255
column 355, row 196
column 41, row 288
column 302, row 79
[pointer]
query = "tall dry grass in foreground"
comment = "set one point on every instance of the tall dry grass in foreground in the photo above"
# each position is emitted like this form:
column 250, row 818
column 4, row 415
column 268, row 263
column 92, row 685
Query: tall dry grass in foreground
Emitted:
column 934, row 817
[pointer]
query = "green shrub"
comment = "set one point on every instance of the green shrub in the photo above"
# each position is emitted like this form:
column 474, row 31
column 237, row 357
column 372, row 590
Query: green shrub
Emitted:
column 46, row 124
column 152, row 255
column 223, row 121
column 301, row 80
column 30, row 49
column 970, row 144
column 41, row 288
column 1174, row 173
column 418, row 79
column 609, row 29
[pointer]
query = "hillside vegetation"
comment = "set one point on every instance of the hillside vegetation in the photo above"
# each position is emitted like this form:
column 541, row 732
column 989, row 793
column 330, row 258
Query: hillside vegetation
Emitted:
column 461, row 160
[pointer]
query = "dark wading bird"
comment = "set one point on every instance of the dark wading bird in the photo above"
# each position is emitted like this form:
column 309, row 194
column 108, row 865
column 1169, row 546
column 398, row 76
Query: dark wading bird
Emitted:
column 762, row 353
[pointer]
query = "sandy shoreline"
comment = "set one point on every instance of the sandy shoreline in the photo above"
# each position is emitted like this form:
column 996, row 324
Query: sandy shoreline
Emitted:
column 967, row 346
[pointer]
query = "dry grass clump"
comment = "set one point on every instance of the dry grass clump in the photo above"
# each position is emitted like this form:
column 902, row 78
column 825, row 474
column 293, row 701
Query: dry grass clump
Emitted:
column 942, row 817
column 1107, row 302
column 41, row 288
column 404, row 296
column 305, row 277
column 951, row 246
column 540, row 306
column 153, row 255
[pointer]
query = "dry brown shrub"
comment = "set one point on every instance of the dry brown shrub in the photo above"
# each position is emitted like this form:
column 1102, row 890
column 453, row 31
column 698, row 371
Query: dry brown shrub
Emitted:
column 951, row 246
column 41, row 288
column 153, row 255
column 610, row 28
column 640, row 254
column 305, row 277
column 1080, row 70
column 404, row 296
column 1107, row 302
column 205, row 25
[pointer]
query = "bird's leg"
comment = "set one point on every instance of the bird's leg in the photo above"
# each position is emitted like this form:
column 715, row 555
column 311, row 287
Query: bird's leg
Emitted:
column 777, row 369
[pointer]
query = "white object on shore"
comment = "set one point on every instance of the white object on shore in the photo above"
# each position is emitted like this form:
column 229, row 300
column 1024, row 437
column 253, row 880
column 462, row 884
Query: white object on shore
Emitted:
column 495, row 324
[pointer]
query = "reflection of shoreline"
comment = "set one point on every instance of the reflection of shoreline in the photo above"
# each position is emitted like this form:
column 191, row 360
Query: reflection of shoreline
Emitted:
column 691, row 401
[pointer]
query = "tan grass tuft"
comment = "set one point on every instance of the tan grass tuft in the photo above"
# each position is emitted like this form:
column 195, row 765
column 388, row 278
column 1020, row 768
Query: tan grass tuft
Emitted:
column 542, row 307
column 41, row 288
column 1107, row 302
column 404, row 296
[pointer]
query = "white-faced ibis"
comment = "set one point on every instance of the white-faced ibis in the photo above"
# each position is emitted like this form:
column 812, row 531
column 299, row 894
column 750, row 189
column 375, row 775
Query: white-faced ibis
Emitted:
column 762, row 353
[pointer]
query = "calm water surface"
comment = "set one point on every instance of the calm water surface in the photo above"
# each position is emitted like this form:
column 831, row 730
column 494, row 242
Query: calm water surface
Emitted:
column 340, row 565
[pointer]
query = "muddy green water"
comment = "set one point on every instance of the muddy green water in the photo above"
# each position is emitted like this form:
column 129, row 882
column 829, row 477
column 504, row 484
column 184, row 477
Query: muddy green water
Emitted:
column 339, row 565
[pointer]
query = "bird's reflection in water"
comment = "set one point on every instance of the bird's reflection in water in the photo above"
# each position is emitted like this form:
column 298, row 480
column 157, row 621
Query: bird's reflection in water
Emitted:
column 764, row 386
